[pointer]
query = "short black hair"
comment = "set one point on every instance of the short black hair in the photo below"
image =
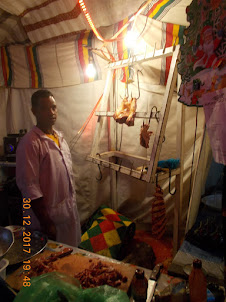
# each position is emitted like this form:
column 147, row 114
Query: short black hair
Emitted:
column 36, row 96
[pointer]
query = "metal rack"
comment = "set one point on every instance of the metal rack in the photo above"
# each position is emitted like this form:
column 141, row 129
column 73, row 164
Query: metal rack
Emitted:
column 113, row 159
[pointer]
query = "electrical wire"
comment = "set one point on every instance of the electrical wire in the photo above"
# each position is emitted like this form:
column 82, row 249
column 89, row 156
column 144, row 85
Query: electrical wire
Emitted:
column 143, row 28
column 113, row 54
column 81, row 130
column 74, row 140
column 115, row 37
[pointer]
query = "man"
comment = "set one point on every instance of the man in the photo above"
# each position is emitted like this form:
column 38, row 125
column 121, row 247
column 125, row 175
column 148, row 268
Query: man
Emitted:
column 44, row 174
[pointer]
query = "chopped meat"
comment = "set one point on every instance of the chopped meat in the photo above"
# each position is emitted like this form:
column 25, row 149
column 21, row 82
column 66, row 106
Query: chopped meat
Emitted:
column 40, row 266
column 44, row 265
column 100, row 274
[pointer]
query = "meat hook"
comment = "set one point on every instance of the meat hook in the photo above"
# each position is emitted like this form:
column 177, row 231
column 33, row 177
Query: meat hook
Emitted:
column 152, row 113
column 99, row 178
column 130, row 68
column 170, row 184
column 138, row 83
column 156, row 179
column 142, row 171
column 120, row 164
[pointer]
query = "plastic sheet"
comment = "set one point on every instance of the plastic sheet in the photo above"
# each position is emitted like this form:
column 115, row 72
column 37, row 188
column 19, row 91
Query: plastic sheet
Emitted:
column 56, row 287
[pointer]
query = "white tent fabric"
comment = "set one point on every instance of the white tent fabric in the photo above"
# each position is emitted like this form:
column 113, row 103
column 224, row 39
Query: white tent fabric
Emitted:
column 41, row 20
column 75, row 102
column 200, row 177
column 61, row 64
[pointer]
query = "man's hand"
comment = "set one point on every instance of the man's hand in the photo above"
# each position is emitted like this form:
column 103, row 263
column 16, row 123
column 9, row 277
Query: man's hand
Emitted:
column 49, row 229
column 47, row 225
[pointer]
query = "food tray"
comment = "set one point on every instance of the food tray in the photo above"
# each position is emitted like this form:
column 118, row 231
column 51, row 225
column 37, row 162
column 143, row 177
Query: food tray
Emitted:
column 16, row 254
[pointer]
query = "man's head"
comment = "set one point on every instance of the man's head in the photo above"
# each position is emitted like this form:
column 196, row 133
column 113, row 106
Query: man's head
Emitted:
column 44, row 108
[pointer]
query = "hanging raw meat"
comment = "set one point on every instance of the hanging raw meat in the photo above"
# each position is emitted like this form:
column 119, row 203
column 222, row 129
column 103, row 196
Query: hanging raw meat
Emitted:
column 132, row 112
column 145, row 135
column 125, row 113
column 158, row 214
column 122, row 111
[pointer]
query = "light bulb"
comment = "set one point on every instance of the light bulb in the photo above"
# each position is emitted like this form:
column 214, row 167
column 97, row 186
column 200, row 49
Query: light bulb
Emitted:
column 130, row 39
column 90, row 70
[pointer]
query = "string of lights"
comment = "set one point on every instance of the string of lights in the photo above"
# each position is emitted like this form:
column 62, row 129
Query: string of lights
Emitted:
column 96, row 32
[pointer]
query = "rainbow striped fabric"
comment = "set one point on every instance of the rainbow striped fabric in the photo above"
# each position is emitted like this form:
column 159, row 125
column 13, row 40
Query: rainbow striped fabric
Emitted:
column 120, row 50
column 6, row 66
column 172, row 35
column 157, row 9
column 35, row 75
column 52, row 65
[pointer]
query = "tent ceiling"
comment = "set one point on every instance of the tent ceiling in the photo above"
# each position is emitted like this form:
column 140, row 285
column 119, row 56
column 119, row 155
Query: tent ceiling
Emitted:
column 25, row 21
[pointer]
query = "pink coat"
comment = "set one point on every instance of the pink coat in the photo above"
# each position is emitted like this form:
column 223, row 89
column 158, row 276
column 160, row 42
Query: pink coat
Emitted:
column 45, row 170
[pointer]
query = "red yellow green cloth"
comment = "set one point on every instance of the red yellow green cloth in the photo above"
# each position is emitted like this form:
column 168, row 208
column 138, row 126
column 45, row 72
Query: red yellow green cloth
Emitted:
column 107, row 233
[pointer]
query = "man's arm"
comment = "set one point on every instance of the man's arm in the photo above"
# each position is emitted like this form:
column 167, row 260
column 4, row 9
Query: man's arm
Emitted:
column 27, row 177
column 47, row 225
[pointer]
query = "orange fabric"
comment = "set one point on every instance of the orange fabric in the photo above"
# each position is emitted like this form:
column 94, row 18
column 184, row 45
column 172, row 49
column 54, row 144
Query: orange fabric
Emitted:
column 162, row 247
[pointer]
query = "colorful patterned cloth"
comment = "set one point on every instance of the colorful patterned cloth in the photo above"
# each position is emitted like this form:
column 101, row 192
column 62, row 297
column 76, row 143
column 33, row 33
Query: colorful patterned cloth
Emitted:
column 107, row 233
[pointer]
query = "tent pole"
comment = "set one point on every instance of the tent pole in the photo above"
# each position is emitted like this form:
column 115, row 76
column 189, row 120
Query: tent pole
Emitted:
column 112, row 145
column 224, row 221
column 180, row 176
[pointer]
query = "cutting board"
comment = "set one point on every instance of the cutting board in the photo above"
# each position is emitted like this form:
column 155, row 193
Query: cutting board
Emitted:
column 15, row 280
column 74, row 264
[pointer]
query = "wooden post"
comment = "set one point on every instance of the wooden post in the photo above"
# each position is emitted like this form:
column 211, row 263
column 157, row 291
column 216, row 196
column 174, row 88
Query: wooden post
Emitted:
column 179, row 177
column 112, row 146
column 172, row 77
column 224, row 221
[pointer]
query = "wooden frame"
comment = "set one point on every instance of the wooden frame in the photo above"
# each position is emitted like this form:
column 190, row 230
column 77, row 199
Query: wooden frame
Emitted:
column 149, row 164
column 148, row 169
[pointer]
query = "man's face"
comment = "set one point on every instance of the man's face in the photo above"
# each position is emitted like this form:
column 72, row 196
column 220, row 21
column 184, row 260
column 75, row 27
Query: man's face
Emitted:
column 46, row 111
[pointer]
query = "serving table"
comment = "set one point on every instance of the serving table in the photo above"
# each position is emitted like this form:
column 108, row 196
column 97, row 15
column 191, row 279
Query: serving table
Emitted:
column 75, row 263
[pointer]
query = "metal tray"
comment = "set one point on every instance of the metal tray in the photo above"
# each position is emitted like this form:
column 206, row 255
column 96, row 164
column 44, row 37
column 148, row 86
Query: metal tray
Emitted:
column 16, row 254
column 6, row 241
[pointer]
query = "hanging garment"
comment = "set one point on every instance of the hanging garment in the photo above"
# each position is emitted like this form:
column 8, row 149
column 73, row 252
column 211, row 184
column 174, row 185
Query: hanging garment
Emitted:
column 158, row 213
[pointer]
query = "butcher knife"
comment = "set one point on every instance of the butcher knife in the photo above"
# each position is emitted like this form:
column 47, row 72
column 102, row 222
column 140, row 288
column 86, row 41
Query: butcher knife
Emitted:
column 153, row 281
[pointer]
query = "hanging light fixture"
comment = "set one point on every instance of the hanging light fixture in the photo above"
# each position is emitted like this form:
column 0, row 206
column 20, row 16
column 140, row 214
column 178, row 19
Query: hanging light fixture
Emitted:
column 90, row 70
column 131, row 39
